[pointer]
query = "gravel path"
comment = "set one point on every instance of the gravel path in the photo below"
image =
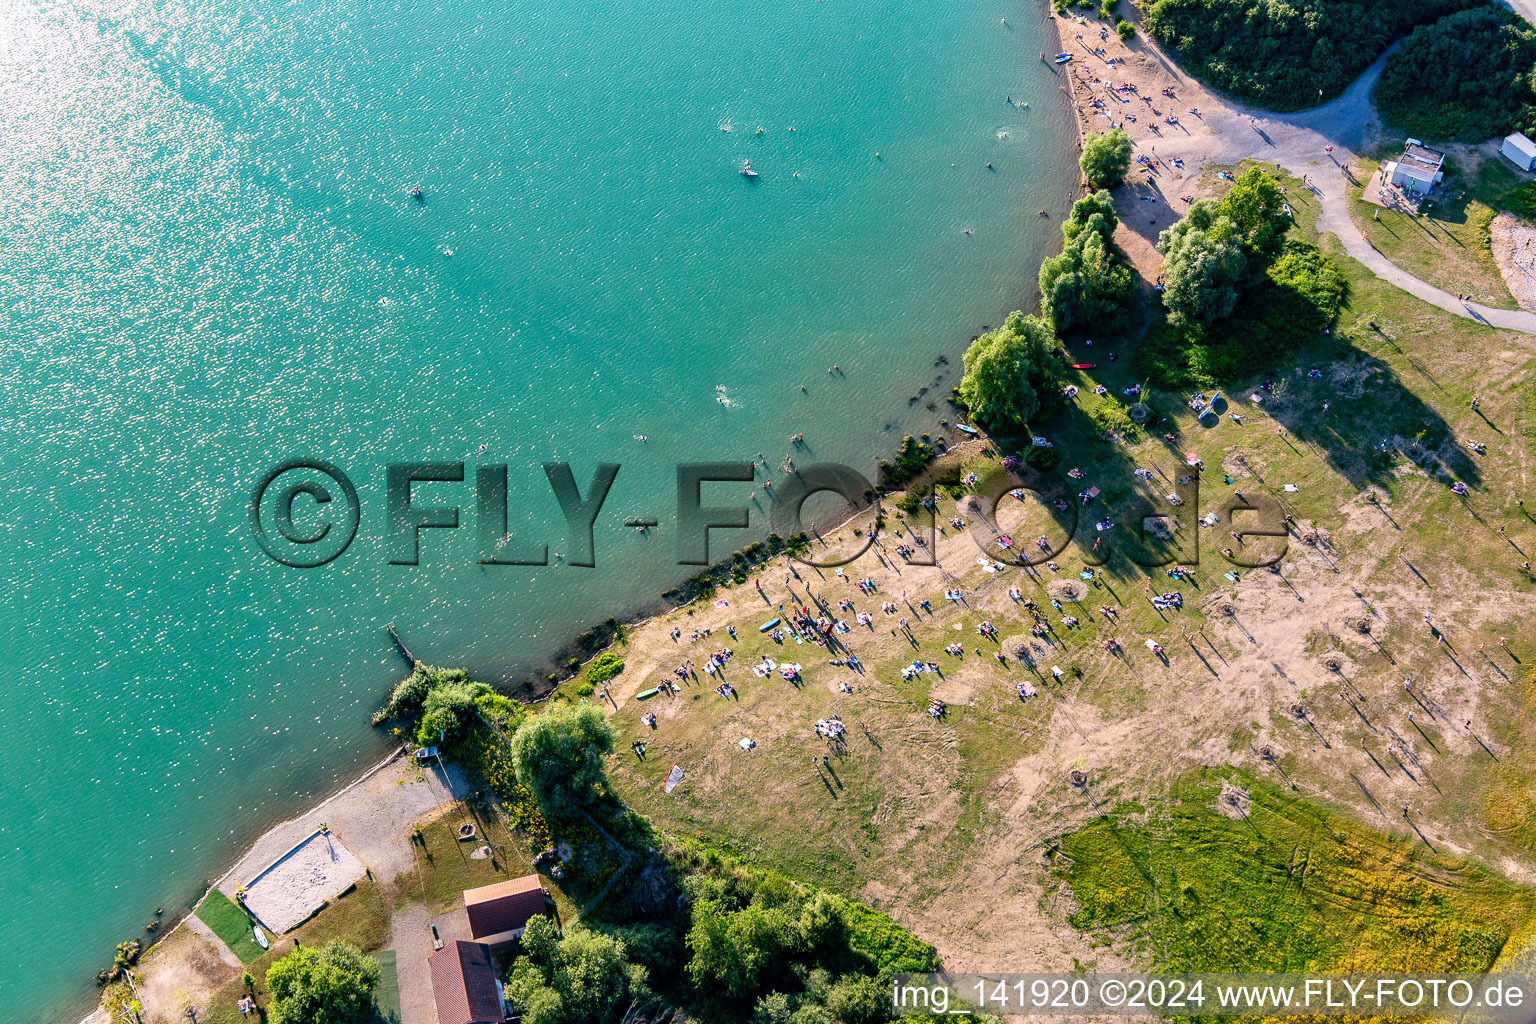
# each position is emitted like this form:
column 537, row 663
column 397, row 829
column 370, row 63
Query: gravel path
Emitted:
column 411, row 939
column 1225, row 132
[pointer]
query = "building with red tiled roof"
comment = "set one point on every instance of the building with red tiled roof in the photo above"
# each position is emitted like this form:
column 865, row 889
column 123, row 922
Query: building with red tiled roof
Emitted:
column 499, row 912
column 464, row 985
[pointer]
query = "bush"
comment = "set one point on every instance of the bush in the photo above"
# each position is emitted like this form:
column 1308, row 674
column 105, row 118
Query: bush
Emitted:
column 911, row 459
column 1465, row 77
column 408, row 696
column 1281, row 55
column 1106, row 158
column 1009, row 373
column 1124, row 29
column 603, row 668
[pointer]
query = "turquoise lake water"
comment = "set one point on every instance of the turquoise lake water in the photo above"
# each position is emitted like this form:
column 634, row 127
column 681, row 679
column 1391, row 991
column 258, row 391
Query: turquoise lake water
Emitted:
column 211, row 263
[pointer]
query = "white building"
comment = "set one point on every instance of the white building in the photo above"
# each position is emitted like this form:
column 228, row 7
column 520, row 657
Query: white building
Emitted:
column 1521, row 150
column 1418, row 169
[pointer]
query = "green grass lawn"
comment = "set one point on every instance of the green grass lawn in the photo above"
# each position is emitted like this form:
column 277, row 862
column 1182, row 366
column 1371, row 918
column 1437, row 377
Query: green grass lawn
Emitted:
column 444, row 867
column 1448, row 244
column 229, row 923
column 360, row 916
column 1280, row 884
column 387, row 996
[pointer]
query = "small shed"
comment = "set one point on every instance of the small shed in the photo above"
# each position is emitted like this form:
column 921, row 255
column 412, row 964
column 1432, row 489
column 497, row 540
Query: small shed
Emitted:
column 499, row 912
column 1418, row 169
column 1520, row 150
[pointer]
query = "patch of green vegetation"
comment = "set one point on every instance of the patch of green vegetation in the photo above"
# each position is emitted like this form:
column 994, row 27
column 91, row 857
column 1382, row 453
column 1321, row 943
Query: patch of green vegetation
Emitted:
column 444, row 867
column 1299, row 295
column 1269, row 882
column 604, row 667
column 1285, row 56
column 912, row 458
column 386, row 997
column 1467, row 77
column 230, row 923
column 1522, row 201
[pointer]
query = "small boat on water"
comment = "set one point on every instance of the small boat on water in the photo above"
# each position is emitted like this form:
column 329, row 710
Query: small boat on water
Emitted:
column 747, row 171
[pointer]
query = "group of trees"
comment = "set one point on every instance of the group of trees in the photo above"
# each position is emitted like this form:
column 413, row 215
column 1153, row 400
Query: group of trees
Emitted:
column 1236, row 291
column 1288, row 54
column 1469, row 76
column 1089, row 282
column 1215, row 250
column 581, row 977
column 744, row 944
column 1012, row 373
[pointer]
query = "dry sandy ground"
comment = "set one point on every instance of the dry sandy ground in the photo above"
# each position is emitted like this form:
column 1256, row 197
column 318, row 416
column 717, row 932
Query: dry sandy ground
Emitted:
column 300, row 882
column 1514, row 248
column 1259, row 653
column 371, row 817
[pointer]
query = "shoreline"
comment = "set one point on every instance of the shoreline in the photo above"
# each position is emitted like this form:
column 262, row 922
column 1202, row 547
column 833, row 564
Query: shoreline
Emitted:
column 555, row 663
column 346, row 784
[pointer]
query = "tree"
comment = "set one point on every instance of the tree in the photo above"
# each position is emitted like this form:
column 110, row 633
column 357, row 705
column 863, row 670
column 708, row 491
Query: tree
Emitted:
column 1256, row 207
column 1200, row 278
column 579, row 978
column 1094, row 212
column 1086, row 284
column 1005, row 372
column 1203, row 264
column 1106, row 158
column 332, row 985
column 559, row 755
column 735, row 950
column 448, row 710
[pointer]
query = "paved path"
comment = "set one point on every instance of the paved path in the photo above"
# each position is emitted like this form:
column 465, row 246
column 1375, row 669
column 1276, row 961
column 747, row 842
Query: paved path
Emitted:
column 1299, row 142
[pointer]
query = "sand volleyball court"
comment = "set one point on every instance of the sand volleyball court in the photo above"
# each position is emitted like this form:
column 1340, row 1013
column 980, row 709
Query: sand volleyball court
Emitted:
column 290, row 889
